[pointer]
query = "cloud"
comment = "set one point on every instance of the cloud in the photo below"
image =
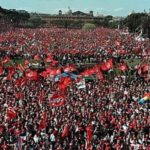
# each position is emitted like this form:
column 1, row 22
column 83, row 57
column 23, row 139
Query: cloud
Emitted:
column 118, row 9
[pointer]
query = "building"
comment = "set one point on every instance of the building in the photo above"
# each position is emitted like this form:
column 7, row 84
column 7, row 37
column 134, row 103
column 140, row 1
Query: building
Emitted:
column 69, row 16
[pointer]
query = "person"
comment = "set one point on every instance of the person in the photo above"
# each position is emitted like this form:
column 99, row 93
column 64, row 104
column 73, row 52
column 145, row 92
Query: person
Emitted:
column 110, row 105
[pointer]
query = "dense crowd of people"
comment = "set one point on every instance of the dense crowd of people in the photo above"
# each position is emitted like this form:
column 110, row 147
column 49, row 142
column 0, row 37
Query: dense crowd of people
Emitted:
column 38, row 112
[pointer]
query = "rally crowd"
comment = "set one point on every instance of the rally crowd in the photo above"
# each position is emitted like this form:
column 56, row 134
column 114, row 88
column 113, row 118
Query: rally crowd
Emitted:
column 38, row 112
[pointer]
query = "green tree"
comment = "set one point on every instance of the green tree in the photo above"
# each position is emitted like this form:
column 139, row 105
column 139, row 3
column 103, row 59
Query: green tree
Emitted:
column 88, row 26
column 134, row 21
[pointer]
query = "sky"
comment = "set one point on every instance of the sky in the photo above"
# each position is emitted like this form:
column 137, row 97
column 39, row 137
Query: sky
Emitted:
column 105, row 7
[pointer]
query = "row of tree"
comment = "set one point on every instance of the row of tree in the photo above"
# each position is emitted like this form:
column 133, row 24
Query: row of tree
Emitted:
column 15, row 17
column 136, row 21
column 20, row 18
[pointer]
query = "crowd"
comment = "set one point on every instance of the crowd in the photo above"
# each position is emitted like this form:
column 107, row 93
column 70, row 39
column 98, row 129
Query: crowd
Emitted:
column 38, row 112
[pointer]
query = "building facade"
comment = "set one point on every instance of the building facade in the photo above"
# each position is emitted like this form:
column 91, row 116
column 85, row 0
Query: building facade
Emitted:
column 77, row 16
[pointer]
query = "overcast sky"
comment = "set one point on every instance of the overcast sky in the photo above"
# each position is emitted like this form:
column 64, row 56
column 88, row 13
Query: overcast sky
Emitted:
column 106, row 7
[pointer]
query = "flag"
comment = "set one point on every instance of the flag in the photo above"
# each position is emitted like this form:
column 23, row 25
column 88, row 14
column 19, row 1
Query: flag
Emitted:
column 32, row 75
column 65, row 132
column 44, row 74
column 1, row 70
column 89, row 136
column 51, row 72
column 41, row 96
column 100, row 75
column 49, row 58
column 20, row 142
column 58, row 71
column 26, row 63
column 5, row 60
column 37, row 57
column 91, row 71
column 54, row 63
column 2, row 39
column 19, row 95
column 81, row 84
column 64, row 82
column 147, row 94
column 145, row 98
column 89, row 133
column 58, row 103
column 11, row 72
column 86, row 73
column 42, row 124
column 107, row 65
column 123, row 67
column 57, row 99
column 145, row 68
column 20, row 81
column 20, row 67
column 69, row 68
column 117, row 43
column 11, row 113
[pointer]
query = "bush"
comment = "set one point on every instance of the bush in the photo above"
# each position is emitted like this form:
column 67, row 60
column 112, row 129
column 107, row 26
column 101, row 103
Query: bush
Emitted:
column 88, row 26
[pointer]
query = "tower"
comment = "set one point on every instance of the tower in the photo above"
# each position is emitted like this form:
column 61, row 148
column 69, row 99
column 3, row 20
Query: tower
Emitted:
column 60, row 12
column 91, row 13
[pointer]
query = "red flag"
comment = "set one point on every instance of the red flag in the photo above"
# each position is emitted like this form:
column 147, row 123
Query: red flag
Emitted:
column 107, row 65
column 58, row 99
column 89, row 135
column 92, row 71
column 66, row 69
column 37, row 57
column 58, row 104
column 58, row 71
column 49, row 58
column 89, row 132
column 44, row 74
column 123, row 67
column 32, row 75
column 117, row 43
column 5, row 60
column 65, row 132
column 64, row 82
column 41, row 96
column 20, row 67
column 43, row 121
column 89, row 72
column 26, row 62
column 21, row 81
column 69, row 68
column 2, row 39
column 54, row 63
column 11, row 113
column 147, row 95
column 19, row 95
column 100, row 75
column 1, row 70
column 11, row 72
column 86, row 73
column 145, row 68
